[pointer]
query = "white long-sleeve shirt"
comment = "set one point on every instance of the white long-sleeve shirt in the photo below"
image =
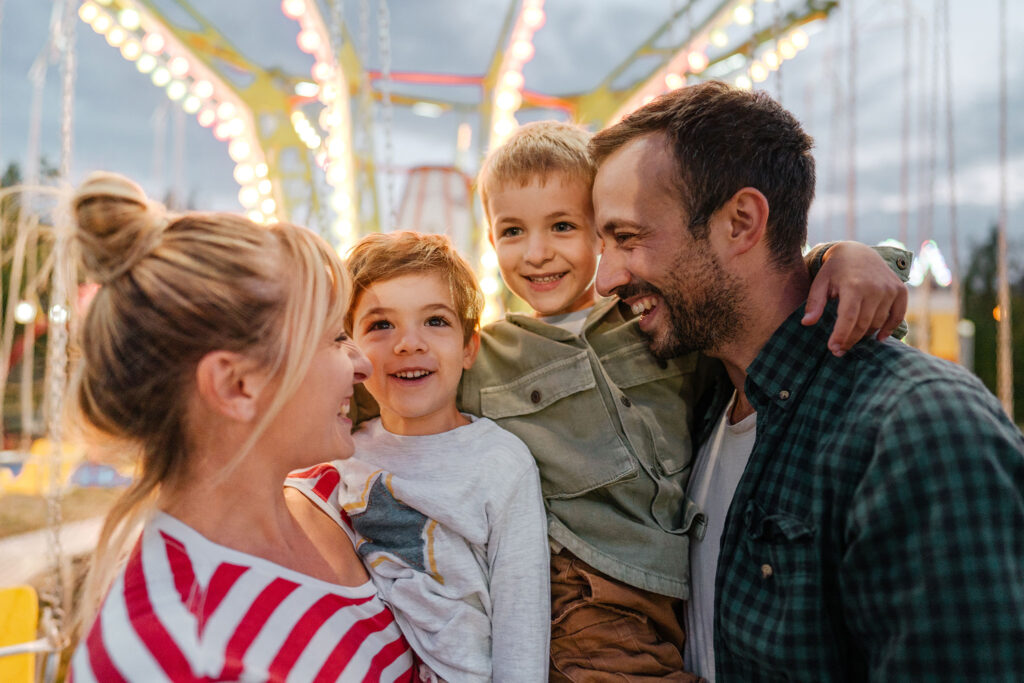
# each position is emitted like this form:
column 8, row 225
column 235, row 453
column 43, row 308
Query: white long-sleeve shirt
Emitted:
column 453, row 530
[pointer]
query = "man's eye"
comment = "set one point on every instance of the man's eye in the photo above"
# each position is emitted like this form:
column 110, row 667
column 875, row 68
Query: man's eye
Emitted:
column 562, row 226
column 341, row 338
column 379, row 325
column 623, row 237
column 438, row 321
column 511, row 232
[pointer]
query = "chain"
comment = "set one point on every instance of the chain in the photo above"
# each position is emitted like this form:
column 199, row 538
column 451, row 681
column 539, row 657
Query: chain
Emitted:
column 387, row 111
column 68, row 87
column 59, row 314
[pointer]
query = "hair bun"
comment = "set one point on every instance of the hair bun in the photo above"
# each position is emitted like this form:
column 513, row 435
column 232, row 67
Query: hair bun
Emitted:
column 117, row 225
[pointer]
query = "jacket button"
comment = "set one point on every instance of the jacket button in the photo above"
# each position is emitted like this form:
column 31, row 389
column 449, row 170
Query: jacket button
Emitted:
column 784, row 394
column 535, row 396
column 625, row 401
column 766, row 571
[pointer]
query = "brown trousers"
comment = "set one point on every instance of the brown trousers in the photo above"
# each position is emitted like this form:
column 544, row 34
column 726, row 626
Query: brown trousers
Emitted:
column 605, row 631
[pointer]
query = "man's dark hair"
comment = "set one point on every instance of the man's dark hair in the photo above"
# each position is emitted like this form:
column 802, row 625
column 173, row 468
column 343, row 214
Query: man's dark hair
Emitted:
column 724, row 139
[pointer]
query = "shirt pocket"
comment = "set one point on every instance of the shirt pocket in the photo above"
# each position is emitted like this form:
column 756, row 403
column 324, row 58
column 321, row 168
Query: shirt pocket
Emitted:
column 779, row 573
column 661, row 394
column 557, row 410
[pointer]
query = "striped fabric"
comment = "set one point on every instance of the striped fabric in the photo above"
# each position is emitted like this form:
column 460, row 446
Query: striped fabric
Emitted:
column 187, row 609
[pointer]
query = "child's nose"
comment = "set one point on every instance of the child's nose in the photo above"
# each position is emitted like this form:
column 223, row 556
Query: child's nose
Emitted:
column 538, row 250
column 410, row 341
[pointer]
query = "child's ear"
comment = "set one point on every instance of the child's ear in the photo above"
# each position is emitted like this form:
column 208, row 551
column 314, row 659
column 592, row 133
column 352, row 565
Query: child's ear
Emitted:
column 230, row 384
column 490, row 237
column 470, row 350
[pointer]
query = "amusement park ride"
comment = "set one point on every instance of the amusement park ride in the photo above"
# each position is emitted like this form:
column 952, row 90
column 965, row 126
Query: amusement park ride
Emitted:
column 303, row 144
column 315, row 148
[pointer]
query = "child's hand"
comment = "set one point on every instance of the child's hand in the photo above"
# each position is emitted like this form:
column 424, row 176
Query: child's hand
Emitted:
column 871, row 296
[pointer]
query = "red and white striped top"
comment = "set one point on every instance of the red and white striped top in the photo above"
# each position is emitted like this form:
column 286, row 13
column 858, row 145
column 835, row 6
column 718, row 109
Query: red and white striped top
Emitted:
column 188, row 609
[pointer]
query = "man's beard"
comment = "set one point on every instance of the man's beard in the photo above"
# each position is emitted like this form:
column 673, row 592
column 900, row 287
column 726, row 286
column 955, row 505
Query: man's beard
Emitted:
column 703, row 307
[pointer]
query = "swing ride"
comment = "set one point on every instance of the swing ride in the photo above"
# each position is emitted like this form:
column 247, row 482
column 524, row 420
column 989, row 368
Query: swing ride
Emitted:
column 317, row 148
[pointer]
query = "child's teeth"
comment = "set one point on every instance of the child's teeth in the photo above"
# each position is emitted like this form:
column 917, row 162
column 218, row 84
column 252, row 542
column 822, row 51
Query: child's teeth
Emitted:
column 412, row 374
column 546, row 278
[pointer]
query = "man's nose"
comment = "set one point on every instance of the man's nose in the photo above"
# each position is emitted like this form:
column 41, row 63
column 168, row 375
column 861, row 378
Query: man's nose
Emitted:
column 611, row 271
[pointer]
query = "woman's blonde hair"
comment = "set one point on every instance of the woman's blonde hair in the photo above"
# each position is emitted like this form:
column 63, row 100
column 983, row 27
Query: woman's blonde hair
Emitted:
column 383, row 256
column 175, row 288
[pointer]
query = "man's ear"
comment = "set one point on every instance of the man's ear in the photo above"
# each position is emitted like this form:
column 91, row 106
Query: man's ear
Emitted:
column 745, row 218
column 230, row 384
column 470, row 350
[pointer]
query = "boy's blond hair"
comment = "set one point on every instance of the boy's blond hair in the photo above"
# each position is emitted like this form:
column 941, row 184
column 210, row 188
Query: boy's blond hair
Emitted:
column 537, row 150
column 384, row 256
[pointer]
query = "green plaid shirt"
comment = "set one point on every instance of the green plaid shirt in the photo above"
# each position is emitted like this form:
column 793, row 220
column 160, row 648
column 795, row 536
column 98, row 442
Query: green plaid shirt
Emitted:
column 877, row 533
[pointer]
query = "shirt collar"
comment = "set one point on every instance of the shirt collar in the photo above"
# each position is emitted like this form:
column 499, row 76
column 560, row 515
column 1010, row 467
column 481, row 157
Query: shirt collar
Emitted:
column 789, row 360
column 550, row 331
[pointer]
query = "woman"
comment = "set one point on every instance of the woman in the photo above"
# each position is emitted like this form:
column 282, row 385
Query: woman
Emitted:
column 217, row 347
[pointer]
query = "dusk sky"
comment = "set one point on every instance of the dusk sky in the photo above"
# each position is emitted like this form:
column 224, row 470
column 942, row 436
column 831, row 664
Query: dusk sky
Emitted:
column 117, row 110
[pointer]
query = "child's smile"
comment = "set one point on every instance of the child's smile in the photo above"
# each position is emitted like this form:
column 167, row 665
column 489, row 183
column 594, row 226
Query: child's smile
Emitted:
column 543, row 233
column 409, row 329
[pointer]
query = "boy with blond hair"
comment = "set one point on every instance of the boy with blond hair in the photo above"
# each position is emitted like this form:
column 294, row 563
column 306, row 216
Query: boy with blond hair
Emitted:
column 446, row 506
column 608, row 423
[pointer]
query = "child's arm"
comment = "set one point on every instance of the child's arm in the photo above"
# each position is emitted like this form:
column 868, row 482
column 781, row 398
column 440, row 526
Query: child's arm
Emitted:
column 520, row 562
column 869, row 284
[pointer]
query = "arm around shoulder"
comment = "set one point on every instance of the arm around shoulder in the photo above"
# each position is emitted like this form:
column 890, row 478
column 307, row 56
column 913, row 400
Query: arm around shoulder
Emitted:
column 931, row 578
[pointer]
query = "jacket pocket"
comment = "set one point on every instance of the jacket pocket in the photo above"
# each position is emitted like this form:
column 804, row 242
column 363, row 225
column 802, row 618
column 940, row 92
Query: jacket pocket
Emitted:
column 557, row 410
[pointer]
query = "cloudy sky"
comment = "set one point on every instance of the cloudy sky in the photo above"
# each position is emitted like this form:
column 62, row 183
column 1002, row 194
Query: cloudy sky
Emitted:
column 123, row 123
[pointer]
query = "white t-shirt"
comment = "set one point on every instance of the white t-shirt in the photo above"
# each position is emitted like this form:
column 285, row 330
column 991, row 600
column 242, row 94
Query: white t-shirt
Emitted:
column 716, row 473
column 188, row 609
column 453, row 530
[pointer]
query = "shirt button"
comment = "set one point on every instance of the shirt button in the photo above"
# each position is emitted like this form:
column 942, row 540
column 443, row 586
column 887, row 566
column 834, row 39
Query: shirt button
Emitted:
column 625, row 401
column 783, row 394
column 766, row 570
column 662, row 363
column 535, row 396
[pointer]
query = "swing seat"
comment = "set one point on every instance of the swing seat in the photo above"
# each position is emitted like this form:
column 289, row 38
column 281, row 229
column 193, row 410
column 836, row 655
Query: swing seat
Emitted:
column 19, row 619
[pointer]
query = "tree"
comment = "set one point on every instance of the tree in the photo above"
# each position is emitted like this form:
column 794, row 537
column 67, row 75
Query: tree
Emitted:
column 980, row 301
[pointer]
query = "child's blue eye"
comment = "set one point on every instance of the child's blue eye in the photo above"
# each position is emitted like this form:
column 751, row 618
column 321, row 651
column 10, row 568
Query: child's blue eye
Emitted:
column 438, row 321
column 379, row 325
column 562, row 226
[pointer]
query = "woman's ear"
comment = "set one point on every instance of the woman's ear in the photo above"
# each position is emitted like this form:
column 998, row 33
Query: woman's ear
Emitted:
column 230, row 384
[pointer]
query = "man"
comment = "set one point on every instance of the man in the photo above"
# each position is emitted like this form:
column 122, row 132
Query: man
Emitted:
column 872, row 526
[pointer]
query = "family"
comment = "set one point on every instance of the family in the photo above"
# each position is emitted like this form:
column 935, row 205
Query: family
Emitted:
column 701, row 457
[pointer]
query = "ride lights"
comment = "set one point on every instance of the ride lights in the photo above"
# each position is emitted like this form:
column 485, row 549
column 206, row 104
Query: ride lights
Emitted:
column 697, row 60
column 293, row 9
column 88, row 12
column 758, row 71
column 128, row 18
column 131, row 50
column 674, row 81
column 25, row 312
column 743, row 15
